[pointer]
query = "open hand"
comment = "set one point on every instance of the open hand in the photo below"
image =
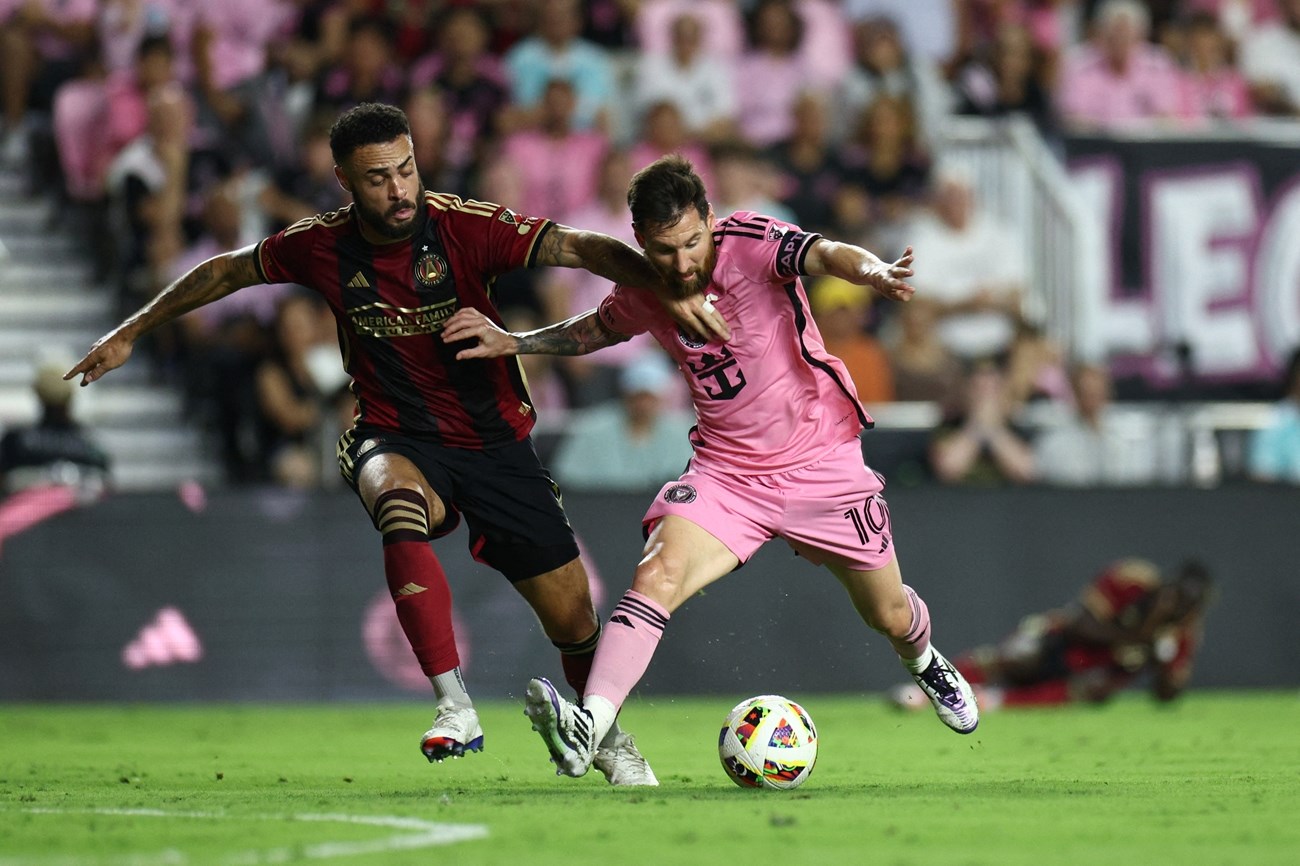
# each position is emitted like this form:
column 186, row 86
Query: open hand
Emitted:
column 469, row 324
column 890, row 280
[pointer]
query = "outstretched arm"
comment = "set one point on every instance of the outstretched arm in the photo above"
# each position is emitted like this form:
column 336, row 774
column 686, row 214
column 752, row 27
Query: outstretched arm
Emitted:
column 205, row 283
column 577, row 336
column 619, row 262
column 861, row 267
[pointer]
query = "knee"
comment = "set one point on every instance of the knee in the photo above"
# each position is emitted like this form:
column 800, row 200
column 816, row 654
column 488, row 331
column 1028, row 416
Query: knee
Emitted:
column 661, row 578
column 892, row 618
column 409, row 505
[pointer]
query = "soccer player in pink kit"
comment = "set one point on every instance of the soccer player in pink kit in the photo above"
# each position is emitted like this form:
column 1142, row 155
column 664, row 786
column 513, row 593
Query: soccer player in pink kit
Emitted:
column 777, row 452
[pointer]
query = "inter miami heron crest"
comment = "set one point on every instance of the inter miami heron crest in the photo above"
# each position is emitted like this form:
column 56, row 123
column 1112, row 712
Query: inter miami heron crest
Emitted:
column 430, row 269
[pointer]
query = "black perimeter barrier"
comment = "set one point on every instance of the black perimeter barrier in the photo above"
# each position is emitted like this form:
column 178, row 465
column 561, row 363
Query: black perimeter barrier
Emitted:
column 268, row 595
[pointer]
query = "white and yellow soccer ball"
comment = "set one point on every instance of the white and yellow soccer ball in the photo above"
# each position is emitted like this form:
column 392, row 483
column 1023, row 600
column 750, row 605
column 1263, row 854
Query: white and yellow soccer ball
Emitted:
column 768, row 742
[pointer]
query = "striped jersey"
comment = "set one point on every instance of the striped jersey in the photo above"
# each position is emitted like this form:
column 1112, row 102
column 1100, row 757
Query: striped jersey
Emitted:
column 771, row 399
column 390, row 302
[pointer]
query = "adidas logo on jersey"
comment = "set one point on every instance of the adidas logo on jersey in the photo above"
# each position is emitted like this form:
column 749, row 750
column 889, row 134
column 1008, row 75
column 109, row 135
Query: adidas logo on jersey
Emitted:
column 358, row 281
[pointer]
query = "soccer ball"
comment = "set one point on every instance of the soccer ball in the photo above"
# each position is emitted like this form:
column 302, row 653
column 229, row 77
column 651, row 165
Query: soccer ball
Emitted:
column 768, row 742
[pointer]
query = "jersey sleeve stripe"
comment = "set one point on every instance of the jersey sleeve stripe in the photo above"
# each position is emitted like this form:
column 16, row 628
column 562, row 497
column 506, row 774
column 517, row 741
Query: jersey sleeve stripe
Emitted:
column 531, row 260
column 809, row 239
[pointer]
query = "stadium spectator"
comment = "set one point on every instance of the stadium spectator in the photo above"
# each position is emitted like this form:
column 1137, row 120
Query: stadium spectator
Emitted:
column 1118, row 79
column 698, row 83
column 883, row 67
column 298, row 386
column 977, row 282
column 776, row 454
column 306, row 188
column 746, row 181
column 809, row 165
column 929, row 28
column 632, row 443
column 55, row 450
column 977, row 444
column 840, row 309
column 392, row 266
column 557, row 52
column 885, row 158
column 1127, row 624
column 1270, row 60
column 662, row 133
column 556, row 162
column 43, row 43
column 472, row 84
column 774, row 70
column 1005, row 78
column 1275, row 449
column 923, row 368
column 722, row 29
column 1091, row 446
column 565, row 293
column 1212, row 88
column 366, row 72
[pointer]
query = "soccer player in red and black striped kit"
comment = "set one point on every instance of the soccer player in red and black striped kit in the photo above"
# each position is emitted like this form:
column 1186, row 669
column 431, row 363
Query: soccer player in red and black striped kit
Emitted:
column 433, row 438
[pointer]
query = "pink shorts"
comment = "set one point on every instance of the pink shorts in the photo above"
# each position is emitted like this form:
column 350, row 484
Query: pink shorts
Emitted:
column 830, row 512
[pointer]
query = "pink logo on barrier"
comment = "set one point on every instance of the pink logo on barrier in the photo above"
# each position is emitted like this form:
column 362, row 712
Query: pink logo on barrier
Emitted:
column 166, row 640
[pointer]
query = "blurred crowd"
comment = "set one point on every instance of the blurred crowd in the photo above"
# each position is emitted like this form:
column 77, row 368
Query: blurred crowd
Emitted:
column 177, row 129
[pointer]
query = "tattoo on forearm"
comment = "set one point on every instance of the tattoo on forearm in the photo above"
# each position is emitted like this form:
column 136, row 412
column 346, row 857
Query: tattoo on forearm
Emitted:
column 205, row 283
column 580, row 335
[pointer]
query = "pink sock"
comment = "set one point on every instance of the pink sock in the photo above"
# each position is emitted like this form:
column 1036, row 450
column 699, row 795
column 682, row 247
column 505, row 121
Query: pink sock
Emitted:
column 918, row 636
column 626, row 647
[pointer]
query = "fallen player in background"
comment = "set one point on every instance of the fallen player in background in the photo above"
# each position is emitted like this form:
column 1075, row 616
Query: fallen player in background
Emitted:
column 1126, row 624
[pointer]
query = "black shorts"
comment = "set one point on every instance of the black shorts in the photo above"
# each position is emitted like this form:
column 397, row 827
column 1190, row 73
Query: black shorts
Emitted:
column 511, row 505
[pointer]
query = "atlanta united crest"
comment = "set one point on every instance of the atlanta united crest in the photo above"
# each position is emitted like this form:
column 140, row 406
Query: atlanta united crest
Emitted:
column 680, row 494
column 430, row 269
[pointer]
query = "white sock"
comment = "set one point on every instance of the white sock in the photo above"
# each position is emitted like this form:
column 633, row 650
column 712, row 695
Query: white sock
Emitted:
column 921, row 662
column 604, row 715
column 449, row 689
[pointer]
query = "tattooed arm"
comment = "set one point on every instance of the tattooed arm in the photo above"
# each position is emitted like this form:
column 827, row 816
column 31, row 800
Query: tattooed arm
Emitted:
column 577, row 336
column 618, row 262
column 205, row 283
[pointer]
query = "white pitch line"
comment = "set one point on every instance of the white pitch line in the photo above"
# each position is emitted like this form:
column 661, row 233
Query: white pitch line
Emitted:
column 418, row 834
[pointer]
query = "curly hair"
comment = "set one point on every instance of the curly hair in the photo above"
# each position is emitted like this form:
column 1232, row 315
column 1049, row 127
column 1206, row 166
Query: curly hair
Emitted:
column 367, row 123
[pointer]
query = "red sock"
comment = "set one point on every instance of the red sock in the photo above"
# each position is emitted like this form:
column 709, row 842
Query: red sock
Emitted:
column 416, row 580
column 576, row 660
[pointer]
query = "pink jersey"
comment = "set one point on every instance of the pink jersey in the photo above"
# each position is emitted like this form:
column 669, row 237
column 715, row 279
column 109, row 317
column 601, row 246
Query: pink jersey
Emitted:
column 772, row 399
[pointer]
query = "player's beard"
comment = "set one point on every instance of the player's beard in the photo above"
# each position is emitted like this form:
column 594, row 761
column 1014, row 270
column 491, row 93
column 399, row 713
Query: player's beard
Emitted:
column 703, row 276
column 379, row 221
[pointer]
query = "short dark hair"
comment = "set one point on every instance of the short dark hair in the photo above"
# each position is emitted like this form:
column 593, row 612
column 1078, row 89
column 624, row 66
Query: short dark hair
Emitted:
column 660, row 193
column 367, row 123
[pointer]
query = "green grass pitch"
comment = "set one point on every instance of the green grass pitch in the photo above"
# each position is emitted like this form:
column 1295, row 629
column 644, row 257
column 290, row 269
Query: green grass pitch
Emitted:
column 1214, row 779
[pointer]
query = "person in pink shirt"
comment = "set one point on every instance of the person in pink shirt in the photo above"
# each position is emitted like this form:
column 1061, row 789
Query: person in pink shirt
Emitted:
column 556, row 164
column 1212, row 88
column 1119, row 80
column 776, row 448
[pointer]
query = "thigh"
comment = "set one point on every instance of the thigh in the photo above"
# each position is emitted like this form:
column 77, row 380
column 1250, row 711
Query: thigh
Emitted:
column 836, row 515
column 373, row 463
column 512, row 506
column 737, row 511
column 680, row 559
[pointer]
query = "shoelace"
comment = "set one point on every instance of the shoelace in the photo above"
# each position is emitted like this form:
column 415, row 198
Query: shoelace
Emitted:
column 938, row 677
